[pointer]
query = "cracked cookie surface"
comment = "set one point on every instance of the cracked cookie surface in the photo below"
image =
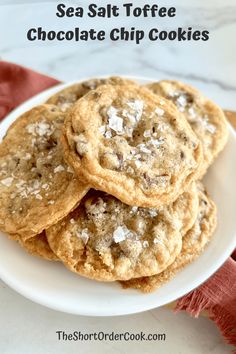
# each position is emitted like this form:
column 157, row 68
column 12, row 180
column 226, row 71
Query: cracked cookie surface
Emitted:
column 194, row 243
column 107, row 240
column 128, row 142
column 205, row 117
column 65, row 98
column 37, row 187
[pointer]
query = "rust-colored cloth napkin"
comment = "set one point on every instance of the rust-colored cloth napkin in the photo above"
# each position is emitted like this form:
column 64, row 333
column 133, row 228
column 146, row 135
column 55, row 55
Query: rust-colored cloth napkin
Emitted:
column 218, row 294
column 17, row 84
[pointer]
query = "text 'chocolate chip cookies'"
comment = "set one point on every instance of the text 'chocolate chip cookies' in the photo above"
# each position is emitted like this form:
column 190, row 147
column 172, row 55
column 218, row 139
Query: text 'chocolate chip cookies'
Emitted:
column 132, row 144
column 104, row 177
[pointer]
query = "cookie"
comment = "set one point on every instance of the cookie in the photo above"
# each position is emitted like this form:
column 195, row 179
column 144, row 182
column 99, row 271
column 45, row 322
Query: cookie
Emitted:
column 37, row 187
column 107, row 240
column 128, row 142
column 194, row 242
column 37, row 246
column 205, row 117
column 65, row 98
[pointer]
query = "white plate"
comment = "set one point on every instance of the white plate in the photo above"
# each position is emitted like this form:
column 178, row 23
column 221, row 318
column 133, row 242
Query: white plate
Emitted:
column 52, row 285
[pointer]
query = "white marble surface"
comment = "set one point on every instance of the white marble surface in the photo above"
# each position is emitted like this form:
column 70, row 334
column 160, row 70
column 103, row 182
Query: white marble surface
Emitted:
column 27, row 327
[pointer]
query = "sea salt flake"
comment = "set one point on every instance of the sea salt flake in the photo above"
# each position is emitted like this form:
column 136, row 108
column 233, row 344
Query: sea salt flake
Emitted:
column 162, row 127
column 208, row 126
column 157, row 241
column 102, row 129
column 147, row 134
column 134, row 210
column 114, row 121
column 192, row 112
column 144, row 149
column 181, row 102
column 133, row 151
column 84, row 235
column 153, row 213
column 40, row 129
column 131, row 118
column 138, row 163
column 156, row 142
column 38, row 196
column 27, row 156
column 108, row 135
column 120, row 234
column 59, row 168
column 137, row 106
column 159, row 111
column 36, row 184
column 33, row 192
column 7, row 181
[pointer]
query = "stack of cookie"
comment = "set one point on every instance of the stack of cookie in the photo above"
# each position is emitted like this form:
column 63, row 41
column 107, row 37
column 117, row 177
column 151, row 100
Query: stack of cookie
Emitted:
column 105, row 178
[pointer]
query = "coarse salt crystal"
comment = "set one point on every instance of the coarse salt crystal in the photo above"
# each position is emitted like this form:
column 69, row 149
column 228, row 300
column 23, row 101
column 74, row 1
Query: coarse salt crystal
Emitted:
column 27, row 157
column 115, row 122
column 152, row 212
column 134, row 209
column 192, row 112
column 156, row 142
column 40, row 128
column 36, row 184
column 7, row 181
column 138, row 163
column 108, row 135
column 143, row 149
column 157, row 241
column 147, row 133
column 120, row 234
column 137, row 106
column 59, row 168
column 84, row 235
column 102, row 129
column 159, row 111
column 181, row 102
